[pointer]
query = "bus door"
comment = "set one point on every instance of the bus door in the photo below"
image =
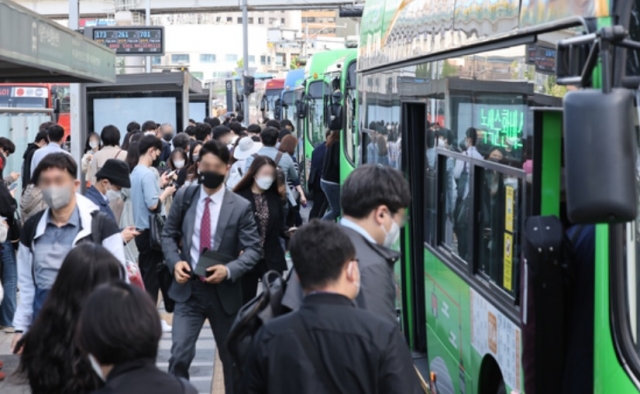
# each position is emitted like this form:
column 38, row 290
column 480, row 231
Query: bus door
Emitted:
column 412, row 302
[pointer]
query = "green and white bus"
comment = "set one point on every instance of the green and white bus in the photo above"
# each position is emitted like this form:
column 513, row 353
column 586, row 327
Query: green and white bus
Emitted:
column 429, row 68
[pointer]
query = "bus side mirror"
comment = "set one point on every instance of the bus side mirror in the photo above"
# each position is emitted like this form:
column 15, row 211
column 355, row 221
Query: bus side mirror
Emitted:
column 56, row 105
column 335, row 117
column 277, row 109
column 263, row 104
column 301, row 109
column 600, row 156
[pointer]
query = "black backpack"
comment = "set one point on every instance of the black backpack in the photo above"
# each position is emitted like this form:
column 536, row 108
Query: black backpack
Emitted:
column 264, row 307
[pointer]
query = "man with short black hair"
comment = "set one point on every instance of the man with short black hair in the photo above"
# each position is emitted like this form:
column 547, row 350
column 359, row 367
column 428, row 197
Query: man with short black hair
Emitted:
column 146, row 198
column 190, row 131
column 254, row 130
column 49, row 235
column 218, row 220
column 56, row 139
column 273, row 123
column 152, row 128
column 222, row 134
column 40, row 141
column 192, row 122
column 110, row 137
column 203, row 132
column 329, row 345
column 374, row 200
column 213, row 122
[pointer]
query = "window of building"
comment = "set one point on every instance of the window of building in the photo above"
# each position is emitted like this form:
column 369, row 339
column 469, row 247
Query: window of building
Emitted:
column 207, row 58
column 252, row 59
column 272, row 21
column 180, row 58
column 250, row 21
column 156, row 60
column 282, row 21
column 229, row 19
column 281, row 59
column 261, row 21
column 218, row 19
column 239, row 20
column 231, row 57
column 198, row 74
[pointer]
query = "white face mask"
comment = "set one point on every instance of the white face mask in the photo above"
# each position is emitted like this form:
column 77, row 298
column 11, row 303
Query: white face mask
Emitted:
column 178, row 164
column 153, row 133
column 391, row 236
column 112, row 194
column 264, row 182
column 94, row 144
column 96, row 367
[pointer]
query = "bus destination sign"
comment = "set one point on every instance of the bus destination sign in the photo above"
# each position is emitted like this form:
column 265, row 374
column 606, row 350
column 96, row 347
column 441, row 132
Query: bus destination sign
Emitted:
column 133, row 41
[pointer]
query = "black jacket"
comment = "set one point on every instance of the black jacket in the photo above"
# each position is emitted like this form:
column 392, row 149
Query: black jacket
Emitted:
column 26, row 164
column 142, row 376
column 363, row 353
column 273, row 253
column 331, row 165
column 317, row 164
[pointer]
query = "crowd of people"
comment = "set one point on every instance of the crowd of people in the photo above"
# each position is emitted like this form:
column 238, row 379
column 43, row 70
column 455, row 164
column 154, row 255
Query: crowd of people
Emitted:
column 196, row 219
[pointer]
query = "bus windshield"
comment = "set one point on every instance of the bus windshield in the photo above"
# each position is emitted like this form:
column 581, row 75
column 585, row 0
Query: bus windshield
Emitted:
column 316, row 112
column 289, row 108
column 63, row 93
column 23, row 96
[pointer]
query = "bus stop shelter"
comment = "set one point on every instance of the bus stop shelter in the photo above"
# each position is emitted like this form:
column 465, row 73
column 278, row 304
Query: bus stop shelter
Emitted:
column 161, row 97
column 35, row 49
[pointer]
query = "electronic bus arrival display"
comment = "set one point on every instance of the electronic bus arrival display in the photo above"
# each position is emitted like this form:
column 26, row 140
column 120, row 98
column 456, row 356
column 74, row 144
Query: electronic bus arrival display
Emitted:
column 138, row 41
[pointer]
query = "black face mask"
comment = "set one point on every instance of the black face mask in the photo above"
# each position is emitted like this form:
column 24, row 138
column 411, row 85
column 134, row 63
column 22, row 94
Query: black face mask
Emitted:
column 167, row 137
column 211, row 180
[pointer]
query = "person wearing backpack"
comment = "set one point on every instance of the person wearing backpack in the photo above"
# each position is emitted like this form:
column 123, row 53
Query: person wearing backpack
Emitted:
column 208, row 217
column 48, row 236
column 246, row 147
column 329, row 345
column 284, row 162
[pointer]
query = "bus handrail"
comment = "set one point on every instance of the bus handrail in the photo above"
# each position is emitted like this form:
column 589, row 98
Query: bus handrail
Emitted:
column 20, row 110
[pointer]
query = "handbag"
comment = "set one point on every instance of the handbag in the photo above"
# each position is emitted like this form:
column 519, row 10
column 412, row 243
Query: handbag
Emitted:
column 156, row 225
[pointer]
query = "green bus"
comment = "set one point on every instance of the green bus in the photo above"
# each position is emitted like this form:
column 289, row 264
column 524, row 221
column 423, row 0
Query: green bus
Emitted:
column 342, row 75
column 493, row 76
column 316, row 89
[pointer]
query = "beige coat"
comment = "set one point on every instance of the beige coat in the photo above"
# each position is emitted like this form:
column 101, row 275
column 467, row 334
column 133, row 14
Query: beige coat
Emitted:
column 100, row 157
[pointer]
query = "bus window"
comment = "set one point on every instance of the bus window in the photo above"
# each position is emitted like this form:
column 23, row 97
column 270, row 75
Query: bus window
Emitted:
column 497, row 231
column 316, row 128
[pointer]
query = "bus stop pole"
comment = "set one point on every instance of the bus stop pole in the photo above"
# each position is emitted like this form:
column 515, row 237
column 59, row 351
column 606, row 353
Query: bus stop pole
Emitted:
column 75, row 132
column 245, row 56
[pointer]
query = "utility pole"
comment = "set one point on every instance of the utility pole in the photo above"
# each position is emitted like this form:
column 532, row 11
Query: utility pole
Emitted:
column 147, row 21
column 77, row 135
column 245, row 56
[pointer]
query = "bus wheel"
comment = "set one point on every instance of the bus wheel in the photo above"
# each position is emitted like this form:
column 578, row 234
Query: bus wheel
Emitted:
column 491, row 381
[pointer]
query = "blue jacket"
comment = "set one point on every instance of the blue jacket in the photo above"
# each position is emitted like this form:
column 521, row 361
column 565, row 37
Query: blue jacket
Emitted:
column 97, row 198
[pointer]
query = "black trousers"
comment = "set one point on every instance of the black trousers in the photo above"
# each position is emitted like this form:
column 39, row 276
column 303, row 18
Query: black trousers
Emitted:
column 188, row 319
column 320, row 204
column 149, row 262
column 250, row 280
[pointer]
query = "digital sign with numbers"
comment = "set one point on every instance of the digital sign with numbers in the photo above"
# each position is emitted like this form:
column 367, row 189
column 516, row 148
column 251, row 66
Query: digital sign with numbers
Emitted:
column 543, row 58
column 140, row 41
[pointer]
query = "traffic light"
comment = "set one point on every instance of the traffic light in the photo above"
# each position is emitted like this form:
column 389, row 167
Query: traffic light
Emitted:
column 249, row 85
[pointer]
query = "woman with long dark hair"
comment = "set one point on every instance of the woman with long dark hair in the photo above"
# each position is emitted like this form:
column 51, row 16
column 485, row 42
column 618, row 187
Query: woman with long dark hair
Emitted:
column 260, row 187
column 330, row 179
column 92, row 146
column 189, row 174
column 50, row 360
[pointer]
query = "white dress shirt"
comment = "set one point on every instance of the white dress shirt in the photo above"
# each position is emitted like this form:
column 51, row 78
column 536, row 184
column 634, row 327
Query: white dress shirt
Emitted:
column 214, row 212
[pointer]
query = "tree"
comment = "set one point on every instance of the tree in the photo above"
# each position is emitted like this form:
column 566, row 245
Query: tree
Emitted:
column 241, row 63
column 295, row 63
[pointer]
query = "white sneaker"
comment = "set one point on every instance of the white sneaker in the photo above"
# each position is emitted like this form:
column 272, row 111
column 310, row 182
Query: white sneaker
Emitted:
column 166, row 328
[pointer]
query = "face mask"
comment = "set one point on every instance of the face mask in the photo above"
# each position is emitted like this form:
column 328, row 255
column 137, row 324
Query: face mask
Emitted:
column 57, row 197
column 167, row 137
column 93, row 144
column 391, row 236
column 194, row 157
column 211, row 180
column 264, row 182
column 150, row 133
column 113, row 194
column 96, row 367
column 178, row 164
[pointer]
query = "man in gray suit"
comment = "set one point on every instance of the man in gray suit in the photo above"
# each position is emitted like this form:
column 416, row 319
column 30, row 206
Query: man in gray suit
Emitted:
column 218, row 220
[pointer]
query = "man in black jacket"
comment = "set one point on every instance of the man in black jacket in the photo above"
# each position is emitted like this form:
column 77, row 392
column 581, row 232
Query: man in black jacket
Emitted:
column 329, row 345
column 42, row 139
